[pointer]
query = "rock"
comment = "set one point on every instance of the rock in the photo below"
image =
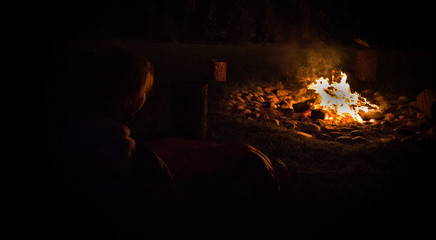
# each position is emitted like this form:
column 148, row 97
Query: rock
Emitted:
column 256, row 104
column 379, row 99
column 268, row 89
column 346, row 129
column 376, row 94
column 273, row 106
column 274, row 121
column 430, row 132
column 405, row 130
column 273, row 100
column 301, row 115
column 258, row 89
column 231, row 103
column 330, row 128
column 317, row 114
column 412, row 111
column 346, row 120
column 261, row 99
column 240, row 107
column 371, row 115
column 357, row 133
column 282, row 92
column 335, row 134
column 279, row 86
column 289, row 124
column 286, row 98
column 416, row 124
column 320, row 123
column 247, row 111
column 349, row 140
column 412, row 124
column 303, row 134
column 308, row 127
column 386, row 124
column 244, row 91
column 323, row 136
column 253, row 115
column 270, row 95
column 345, row 140
column 389, row 117
column 360, row 139
column 285, row 105
column 403, row 99
column 302, row 106
column 386, row 140
column 286, row 112
column 413, row 104
column 402, row 108
column 377, row 115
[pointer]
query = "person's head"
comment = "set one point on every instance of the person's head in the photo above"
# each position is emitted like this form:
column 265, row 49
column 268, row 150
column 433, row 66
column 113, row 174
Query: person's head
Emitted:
column 114, row 82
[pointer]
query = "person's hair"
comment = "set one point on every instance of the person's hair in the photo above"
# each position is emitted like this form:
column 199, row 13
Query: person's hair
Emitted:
column 111, row 80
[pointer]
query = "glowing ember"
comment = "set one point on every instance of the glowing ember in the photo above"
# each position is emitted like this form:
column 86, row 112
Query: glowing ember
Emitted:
column 338, row 101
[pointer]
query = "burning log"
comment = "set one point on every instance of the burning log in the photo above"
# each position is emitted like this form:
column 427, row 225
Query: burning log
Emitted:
column 303, row 106
column 378, row 115
column 188, row 114
column 317, row 114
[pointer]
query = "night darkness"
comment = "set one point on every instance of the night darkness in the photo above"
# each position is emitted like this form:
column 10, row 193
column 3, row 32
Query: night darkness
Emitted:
column 175, row 32
column 400, row 24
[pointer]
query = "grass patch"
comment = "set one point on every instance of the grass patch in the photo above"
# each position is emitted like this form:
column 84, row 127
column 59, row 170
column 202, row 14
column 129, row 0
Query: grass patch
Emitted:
column 332, row 164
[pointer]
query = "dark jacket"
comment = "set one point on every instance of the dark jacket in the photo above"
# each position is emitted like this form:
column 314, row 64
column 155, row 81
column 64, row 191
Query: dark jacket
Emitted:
column 111, row 185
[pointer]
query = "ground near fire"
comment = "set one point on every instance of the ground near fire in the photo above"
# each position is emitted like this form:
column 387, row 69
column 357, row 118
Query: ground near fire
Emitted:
column 377, row 185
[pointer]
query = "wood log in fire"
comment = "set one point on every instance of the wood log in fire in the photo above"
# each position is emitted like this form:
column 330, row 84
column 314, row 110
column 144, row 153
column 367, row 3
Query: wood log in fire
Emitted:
column 303, row 106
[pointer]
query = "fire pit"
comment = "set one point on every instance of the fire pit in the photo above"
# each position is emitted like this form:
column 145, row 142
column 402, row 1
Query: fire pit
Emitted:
column 328, row 110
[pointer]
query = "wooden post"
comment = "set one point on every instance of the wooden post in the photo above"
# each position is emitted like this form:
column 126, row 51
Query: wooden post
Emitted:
column 365, row 65
column 219, row 70
column 188, row 113
column 426, row 102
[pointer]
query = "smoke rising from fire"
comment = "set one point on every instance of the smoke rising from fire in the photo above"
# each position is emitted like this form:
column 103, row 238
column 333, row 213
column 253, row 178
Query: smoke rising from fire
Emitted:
column 319, row 62
column 301, row 64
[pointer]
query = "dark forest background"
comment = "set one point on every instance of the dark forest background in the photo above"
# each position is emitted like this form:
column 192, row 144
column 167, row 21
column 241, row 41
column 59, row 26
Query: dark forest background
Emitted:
column 405, row 24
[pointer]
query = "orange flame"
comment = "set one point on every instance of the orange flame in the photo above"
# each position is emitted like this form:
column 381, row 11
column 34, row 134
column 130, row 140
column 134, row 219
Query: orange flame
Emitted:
column 337, row 99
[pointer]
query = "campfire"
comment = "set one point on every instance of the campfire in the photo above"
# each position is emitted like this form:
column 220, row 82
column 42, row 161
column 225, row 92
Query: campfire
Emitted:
column 337, row 100
column 327, row 109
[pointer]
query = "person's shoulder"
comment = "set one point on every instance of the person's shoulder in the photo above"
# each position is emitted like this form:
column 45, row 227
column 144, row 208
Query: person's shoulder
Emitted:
column 97, row 134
